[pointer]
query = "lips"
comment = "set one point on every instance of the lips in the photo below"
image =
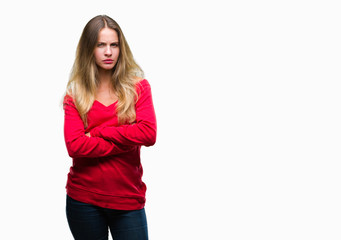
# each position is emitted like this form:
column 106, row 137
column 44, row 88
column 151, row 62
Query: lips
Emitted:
column 108, row 61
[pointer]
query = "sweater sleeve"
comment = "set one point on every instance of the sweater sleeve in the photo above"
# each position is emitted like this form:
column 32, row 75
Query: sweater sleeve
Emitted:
column 143, row 131
column 80, row 145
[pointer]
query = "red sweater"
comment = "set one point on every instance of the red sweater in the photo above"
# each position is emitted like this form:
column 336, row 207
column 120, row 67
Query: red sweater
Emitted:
column 106, row 169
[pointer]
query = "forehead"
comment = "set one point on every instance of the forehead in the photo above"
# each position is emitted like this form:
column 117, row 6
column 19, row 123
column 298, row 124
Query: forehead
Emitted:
column 107, row 35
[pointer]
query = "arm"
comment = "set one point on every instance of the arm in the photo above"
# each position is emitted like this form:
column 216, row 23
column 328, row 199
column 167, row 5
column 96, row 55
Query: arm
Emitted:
column 143, row 131
column 80, row 145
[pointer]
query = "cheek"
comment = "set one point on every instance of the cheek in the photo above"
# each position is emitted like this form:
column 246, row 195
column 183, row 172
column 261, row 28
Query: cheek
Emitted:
column 97, row 55
column 117, row 52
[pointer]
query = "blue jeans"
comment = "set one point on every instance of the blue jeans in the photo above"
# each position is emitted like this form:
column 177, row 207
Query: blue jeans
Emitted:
column 87, row 221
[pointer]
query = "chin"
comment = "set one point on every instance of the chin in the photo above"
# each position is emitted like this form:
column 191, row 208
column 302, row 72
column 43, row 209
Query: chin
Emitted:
column 107, row 67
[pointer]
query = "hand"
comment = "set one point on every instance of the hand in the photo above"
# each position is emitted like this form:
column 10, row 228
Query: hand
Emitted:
column 87, row 134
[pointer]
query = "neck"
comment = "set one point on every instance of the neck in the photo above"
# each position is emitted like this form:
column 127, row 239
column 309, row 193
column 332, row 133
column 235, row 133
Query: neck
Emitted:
column 104, row 78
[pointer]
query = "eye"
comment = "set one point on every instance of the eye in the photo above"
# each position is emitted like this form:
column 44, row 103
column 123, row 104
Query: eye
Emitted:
column 100, row 44
column 114, row 44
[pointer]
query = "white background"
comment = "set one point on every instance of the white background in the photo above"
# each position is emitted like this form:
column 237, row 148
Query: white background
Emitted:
column 247, row 96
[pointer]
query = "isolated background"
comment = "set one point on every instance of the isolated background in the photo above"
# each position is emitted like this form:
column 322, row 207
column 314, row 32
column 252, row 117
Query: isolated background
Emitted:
column 247, row 96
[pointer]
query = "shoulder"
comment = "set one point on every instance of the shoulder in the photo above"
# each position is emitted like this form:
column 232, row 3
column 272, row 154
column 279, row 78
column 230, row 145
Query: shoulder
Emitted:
column 140, row 80
column 142, row 85
column 68, row 97
column 68, row 100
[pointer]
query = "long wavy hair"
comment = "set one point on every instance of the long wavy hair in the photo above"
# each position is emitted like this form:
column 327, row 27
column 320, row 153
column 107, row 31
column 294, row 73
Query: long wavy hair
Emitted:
column 83, row 81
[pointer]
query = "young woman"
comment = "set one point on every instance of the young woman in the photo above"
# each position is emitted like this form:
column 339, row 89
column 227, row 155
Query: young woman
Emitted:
column 109, row 115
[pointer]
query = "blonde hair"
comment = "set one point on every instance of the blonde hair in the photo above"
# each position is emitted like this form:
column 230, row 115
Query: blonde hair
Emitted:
column 83, row 81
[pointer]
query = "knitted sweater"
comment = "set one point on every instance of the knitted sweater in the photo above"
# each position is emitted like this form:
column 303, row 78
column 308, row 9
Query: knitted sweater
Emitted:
column 106, row 169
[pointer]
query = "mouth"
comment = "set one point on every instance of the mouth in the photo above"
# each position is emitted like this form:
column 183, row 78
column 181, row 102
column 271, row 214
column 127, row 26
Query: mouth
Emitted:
column 108, row 61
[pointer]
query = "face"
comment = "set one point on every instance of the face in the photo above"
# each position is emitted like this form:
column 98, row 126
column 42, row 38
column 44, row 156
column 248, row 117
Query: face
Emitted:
column 107, row 49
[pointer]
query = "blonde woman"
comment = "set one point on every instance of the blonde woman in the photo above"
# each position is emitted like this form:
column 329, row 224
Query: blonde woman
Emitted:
column 109, row 115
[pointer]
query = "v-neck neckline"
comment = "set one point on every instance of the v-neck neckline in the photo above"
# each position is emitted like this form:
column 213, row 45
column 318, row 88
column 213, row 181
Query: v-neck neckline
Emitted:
column 106, row 106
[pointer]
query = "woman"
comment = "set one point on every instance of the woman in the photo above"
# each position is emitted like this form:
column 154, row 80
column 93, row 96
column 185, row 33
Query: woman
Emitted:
column 109, row 115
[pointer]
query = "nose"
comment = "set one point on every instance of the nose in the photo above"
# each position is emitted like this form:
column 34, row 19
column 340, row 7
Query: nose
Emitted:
column 107, row 51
